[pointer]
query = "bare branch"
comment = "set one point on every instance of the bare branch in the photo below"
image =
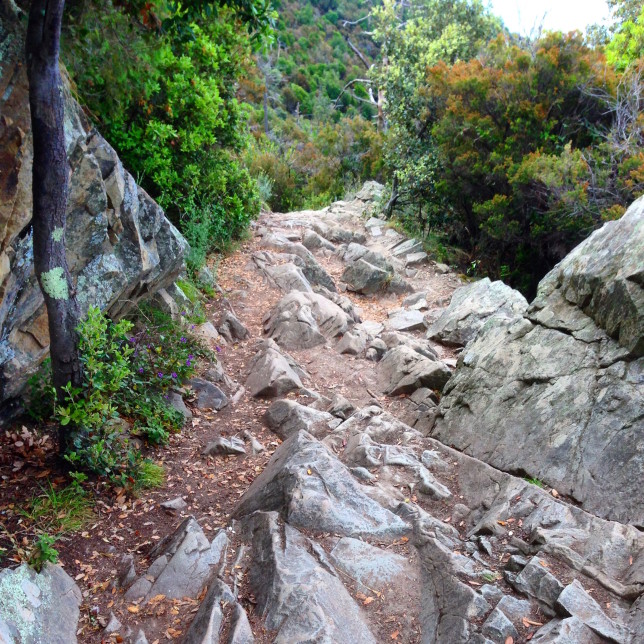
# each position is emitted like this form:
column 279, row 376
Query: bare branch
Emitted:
column 358, row 53
column 366, row 81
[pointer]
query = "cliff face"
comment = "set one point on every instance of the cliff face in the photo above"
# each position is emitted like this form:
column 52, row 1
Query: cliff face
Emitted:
column 121, row 248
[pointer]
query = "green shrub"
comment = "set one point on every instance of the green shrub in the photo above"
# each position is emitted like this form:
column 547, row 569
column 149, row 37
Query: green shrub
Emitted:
column 43, row 552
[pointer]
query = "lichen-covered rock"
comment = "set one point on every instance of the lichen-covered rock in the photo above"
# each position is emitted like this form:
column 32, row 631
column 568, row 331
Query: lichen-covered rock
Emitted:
column 471, row 306
column 120, row 246
column 38, row 607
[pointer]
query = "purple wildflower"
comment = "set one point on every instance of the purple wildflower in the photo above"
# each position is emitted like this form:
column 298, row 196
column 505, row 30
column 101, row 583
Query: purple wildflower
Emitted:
column 188, row 363
column 183, row 340
column 160, row 375
column 218, row 349
column 174, row 375
column 140, row 369
column 132, row 340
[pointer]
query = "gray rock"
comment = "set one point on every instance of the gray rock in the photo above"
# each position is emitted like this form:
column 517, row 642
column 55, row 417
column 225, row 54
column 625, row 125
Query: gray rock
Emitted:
column 240, row 630
column 113, row 625
column 396, row 338
column 354, row 252
column 566, row 631
column 362, row 277
column 209, row 396
column 287, row 417
column 177, row 504
column 352, row 343
column 206, row 277
column 126, row 571
column 413, row 259
column 305, row 320
column 407, row 247
column 341, row 407
column 636, row 621
column 402, row 370
column 231, row 328
column 313, row 490
column 175, row 400
column 139, row 637
column 603, row 278
column 208, row 621
column 427, row 484
column 537, row 582
column 313, row 241
column 297, row 596
column 38, row 607
column 544, row 394
column 493, row 594
column 514, row 609
column 371, row 191
column 181, row 564
column 498, row 627
column 271, row 373
column 405, row 320
column 471, row 306
column 288, row 277
column 120, row 246
column 223, row 445
column 373, row 568
column 576, row 602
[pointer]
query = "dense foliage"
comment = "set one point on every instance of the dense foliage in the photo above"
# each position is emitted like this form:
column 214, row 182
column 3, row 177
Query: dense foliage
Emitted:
column 502, row 151
column 314, row 136
column 167, row 102
column 510, row 150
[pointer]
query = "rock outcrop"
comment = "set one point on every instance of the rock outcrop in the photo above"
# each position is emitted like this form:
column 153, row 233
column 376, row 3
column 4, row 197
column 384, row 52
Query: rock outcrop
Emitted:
column 120, row 246
column 558, row 394
column 471, row 307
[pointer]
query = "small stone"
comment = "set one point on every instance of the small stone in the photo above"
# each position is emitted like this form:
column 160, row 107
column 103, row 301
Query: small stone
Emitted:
column 516, row 563
column 412, row 259
column 175, row 400
column 209, row 396
column 498, row 627
column 513, row 608
column 177, row 504
column 223, row 445
column 255, row 446
column 113, row 625
column 492, row 593
column 405, row 320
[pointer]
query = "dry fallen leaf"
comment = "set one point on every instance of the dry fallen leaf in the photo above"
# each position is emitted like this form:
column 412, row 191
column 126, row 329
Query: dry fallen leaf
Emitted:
column 133, row 609
column 367, row 601
column 509, row 639
column 395, row 634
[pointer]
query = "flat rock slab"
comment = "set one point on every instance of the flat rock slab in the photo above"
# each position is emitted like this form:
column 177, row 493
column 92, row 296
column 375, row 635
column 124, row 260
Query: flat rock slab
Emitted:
column 223, row 445
column 312, row 489
column 576, row 602
column 373, row 568
column 38, row 607
column 407, row 247
column 566, row 631
column 405, row 320
column 297, row 594
column 403, row 370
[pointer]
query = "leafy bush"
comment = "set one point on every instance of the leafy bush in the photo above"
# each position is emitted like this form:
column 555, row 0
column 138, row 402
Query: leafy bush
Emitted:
column 128, row 371
column 167, row 102
column 43, row 552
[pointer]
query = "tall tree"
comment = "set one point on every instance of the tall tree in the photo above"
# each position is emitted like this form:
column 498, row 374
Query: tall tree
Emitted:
column 50, row 180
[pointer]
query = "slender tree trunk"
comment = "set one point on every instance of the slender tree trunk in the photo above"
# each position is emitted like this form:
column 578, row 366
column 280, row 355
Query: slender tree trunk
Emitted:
column 50, row 179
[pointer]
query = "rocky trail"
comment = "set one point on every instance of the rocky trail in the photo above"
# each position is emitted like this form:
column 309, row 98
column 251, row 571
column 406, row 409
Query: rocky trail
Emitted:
column 316, row 494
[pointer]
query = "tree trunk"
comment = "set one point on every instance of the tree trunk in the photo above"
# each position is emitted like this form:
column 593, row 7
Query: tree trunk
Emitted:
column 50, row 179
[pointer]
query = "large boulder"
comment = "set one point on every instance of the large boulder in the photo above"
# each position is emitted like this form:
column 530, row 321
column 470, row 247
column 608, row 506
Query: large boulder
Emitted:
column 558, row 393
column 472, row 306
column 298, row 593
column 312, row 489
column 304, row 320
column 120, row 246
column 273, row 373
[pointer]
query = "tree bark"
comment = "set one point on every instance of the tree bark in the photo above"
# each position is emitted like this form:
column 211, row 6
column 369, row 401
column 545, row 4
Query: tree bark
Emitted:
column 50, row 180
